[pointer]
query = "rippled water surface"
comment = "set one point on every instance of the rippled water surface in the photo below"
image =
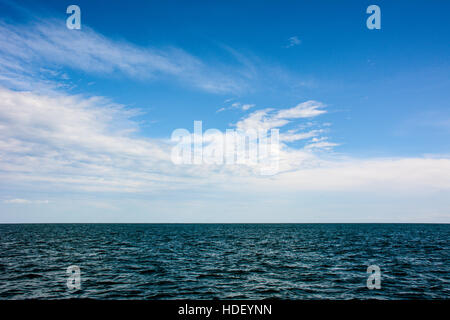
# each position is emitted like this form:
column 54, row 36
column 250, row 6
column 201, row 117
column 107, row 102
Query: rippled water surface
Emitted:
column 234, row 261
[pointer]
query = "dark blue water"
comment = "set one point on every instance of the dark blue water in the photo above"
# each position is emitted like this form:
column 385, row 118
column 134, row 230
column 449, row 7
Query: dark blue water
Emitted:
column 242, row 261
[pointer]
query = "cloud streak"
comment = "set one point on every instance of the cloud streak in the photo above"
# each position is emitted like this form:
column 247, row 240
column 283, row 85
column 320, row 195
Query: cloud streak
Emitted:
column 25, row 201
column 25, row 47
column 237, row 105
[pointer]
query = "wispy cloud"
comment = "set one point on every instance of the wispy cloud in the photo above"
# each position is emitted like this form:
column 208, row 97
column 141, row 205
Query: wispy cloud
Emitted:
column 72, row 141
column 321, row 144
column 27, row 49
column 24, row 49
column 237, row 105
column 293, row 41
column 270, row 118
column 25, row 201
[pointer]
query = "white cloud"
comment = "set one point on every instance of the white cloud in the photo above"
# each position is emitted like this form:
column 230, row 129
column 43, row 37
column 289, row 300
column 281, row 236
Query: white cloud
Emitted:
column 17, row 201
column 28, row 49
column 245, row 107
column 293, row 41
column 237, row 105
column 321, row 145
column 295, row 135
column 25, row 201
column 71, row 141
column 307, row 109
column 270, row 118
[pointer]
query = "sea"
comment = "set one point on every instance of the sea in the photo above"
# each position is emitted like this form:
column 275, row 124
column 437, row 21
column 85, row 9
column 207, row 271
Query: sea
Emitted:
column 225, row 261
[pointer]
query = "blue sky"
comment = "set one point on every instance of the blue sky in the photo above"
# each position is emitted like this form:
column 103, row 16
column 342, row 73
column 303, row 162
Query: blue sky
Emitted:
column 87, row 114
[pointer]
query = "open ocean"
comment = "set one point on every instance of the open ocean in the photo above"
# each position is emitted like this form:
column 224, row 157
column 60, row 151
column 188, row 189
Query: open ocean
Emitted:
column 225, row 261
